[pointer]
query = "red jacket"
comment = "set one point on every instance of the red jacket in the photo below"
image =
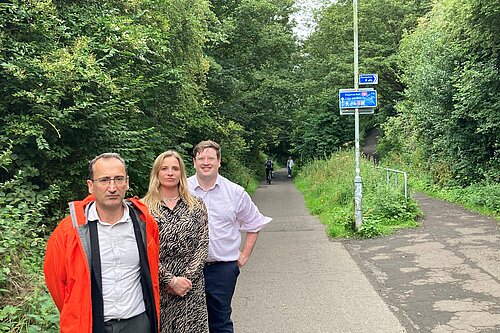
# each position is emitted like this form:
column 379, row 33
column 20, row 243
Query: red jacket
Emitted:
column 66, row 266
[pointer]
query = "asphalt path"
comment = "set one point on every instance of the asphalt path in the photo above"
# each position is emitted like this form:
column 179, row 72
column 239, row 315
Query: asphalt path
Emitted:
column 299, row 281
column 441, row 277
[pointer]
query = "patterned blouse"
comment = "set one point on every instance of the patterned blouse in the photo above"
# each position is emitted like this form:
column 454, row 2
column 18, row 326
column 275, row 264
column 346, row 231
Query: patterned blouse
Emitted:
column 183, row 251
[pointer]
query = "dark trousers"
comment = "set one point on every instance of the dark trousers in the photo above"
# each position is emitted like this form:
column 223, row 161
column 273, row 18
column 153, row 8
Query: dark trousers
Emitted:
column 137, row 324
column 220, row 282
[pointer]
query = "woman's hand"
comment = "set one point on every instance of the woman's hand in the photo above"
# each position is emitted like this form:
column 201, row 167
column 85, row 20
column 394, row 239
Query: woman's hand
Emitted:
column 179, row 286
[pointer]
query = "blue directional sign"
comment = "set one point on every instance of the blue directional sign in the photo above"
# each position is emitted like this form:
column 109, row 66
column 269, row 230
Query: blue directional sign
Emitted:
column 357, row 99
column 368, row 79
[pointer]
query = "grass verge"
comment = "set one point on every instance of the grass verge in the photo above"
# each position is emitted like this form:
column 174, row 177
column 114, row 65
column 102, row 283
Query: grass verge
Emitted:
column 328, row 189
column 483, row 198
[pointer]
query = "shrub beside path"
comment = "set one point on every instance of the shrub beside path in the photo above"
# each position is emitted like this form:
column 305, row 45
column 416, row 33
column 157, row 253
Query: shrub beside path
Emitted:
column 441, row 277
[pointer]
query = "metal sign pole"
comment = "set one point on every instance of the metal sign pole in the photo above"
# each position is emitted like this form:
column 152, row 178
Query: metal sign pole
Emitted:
column 358, row 182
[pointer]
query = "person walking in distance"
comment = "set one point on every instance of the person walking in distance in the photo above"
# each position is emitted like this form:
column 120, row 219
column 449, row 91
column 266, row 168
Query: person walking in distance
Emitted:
column 101, row 262
column 289, row 166
column 183, row 225
column 230, row 210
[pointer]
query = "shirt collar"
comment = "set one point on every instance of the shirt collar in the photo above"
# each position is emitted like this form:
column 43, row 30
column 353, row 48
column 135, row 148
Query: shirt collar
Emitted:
column 93, row 216
column 216, row 184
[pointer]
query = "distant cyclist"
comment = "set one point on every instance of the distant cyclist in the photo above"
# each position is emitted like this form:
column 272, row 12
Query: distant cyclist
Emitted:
column 269, row 170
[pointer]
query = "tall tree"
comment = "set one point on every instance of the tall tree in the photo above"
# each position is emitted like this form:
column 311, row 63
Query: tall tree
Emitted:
column 450, row 67
column 251, row 80
column 327, row 66
column 79, row 78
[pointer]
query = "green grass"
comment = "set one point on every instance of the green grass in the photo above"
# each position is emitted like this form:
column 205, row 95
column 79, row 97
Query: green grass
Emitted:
column 328, row 188
column 252, row 186
column 483, row 198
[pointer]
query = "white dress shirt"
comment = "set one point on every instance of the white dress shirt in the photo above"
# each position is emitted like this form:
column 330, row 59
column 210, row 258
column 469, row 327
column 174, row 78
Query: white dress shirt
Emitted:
column 230, row 210
column 120, row 270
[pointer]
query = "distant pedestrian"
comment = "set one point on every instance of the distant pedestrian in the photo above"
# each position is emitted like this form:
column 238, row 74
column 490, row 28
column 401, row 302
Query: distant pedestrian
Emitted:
column 183, row 227
column 230, row 210
column 289, row 166
column 101, row 262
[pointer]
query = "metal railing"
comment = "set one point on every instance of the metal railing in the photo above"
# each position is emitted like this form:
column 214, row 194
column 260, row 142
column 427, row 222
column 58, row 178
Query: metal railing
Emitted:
column 395, row 173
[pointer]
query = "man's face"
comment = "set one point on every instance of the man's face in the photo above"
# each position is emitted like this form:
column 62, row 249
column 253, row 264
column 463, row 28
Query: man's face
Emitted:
column 207, row 164
column 108, row 193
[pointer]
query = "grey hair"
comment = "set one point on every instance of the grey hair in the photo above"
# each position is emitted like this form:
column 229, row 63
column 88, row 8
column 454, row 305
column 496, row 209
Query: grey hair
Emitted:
column 105, row 156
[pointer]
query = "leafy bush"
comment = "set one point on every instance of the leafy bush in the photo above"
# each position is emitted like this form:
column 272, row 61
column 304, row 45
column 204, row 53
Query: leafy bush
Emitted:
column 328, row 189
column 37, row 313
column 26, row 305
column 388, row 209
column 483, row 197
column 452, row 129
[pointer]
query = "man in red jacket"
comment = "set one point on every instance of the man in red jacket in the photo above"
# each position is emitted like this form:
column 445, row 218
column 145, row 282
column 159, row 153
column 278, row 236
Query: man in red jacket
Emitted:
column 101, row 262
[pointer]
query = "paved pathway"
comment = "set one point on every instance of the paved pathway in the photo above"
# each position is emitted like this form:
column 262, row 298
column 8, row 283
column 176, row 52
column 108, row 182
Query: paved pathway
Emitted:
column 442, row 277
column 298, row 281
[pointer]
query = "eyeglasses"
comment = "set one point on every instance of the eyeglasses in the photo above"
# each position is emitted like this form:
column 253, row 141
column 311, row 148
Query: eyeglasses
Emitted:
column 105, row 181
column 203, row 159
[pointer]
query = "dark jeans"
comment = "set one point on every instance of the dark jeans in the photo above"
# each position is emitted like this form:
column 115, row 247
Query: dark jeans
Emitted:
column 220, row 282
column 137, row 324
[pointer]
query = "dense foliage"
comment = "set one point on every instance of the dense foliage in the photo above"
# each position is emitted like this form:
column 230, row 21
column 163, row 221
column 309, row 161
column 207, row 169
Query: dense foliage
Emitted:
column 252, row 82
column 328, row 192
column 78, row 78
column 449, row 121
column 327, row 66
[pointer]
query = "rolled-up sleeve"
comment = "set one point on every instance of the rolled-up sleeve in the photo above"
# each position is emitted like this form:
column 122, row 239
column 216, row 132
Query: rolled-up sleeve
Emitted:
column 249, row 216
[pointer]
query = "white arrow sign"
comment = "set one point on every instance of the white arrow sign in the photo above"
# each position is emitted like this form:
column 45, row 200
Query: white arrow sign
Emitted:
column 368, row 79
